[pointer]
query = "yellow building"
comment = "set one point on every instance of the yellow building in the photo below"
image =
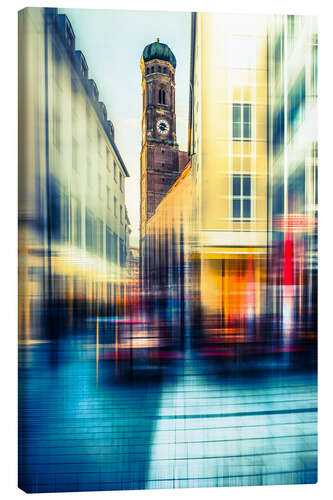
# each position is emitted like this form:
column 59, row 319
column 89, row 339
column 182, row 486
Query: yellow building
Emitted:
column 169, row 244
column 228, row 146
column 222, row 197
column 169, row 232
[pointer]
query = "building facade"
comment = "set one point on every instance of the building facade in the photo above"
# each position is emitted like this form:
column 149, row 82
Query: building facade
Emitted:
column 208, row 236
column 293, row 170
column 161, row 160
column 228, row 147
column 246, row 211
column 169, row 258
column 73, row 223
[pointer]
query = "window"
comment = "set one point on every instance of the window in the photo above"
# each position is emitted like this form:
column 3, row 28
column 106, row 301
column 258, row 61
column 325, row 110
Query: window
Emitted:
column 164, row 70
column 147, row 71
column 108, row 197
column 159, row 69
column 55, row 212
column 90, row 231
column 236, row 121
column 121, row 178
column 115, row 248
column 246, row 121
column 121, row 214
column 278, row 129
column 296, row 105
column 108, row 159
column 241, row 196
column 122, row 254
column 278, row 197
column 115, row 170
column 115, row 206
column 241, row 121
column 243, row 53
column 296, row 190
column 108, row 242
column 152, row 69
column 161, row 96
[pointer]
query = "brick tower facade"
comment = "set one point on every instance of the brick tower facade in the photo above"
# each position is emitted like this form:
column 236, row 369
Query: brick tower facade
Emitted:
column 161, row 160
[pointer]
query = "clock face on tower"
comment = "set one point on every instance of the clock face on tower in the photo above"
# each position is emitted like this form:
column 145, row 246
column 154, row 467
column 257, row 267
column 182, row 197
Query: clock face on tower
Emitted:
column 162, row 127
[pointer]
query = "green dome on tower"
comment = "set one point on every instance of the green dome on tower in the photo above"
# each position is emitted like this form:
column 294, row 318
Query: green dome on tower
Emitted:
column 158, row 50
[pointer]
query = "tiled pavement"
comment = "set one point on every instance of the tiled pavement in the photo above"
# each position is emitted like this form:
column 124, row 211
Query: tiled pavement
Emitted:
column 212, row 433
column 190, row 429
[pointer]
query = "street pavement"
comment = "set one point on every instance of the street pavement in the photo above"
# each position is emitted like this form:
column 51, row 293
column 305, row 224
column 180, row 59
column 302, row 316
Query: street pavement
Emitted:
column 85, row 426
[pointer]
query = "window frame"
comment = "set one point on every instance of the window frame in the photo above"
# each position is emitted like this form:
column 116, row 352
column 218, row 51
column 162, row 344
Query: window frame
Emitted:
column 108, row 243
column 242, row 197
column 121, row 180
column 108, row 197
column 242, row 106
column 297, row 96
column 99, row 141
column 108, row 159
column 161, row 96
column 100, row 237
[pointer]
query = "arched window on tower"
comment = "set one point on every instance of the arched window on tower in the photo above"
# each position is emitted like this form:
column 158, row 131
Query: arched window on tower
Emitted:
column 147, row 71
column 159, row 69
column 152, row 69
column 161, row 96
column 164, row 70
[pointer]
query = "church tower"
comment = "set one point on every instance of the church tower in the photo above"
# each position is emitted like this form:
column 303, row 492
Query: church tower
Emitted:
column 161, row 160
column 160, row 152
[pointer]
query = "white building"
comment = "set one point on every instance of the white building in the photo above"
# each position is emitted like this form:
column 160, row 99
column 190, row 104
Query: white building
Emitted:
column 293, row 166
column 73, row 223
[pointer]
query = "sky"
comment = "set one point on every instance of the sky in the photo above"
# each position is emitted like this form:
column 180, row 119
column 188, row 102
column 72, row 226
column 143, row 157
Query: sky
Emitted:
column 112, row 42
